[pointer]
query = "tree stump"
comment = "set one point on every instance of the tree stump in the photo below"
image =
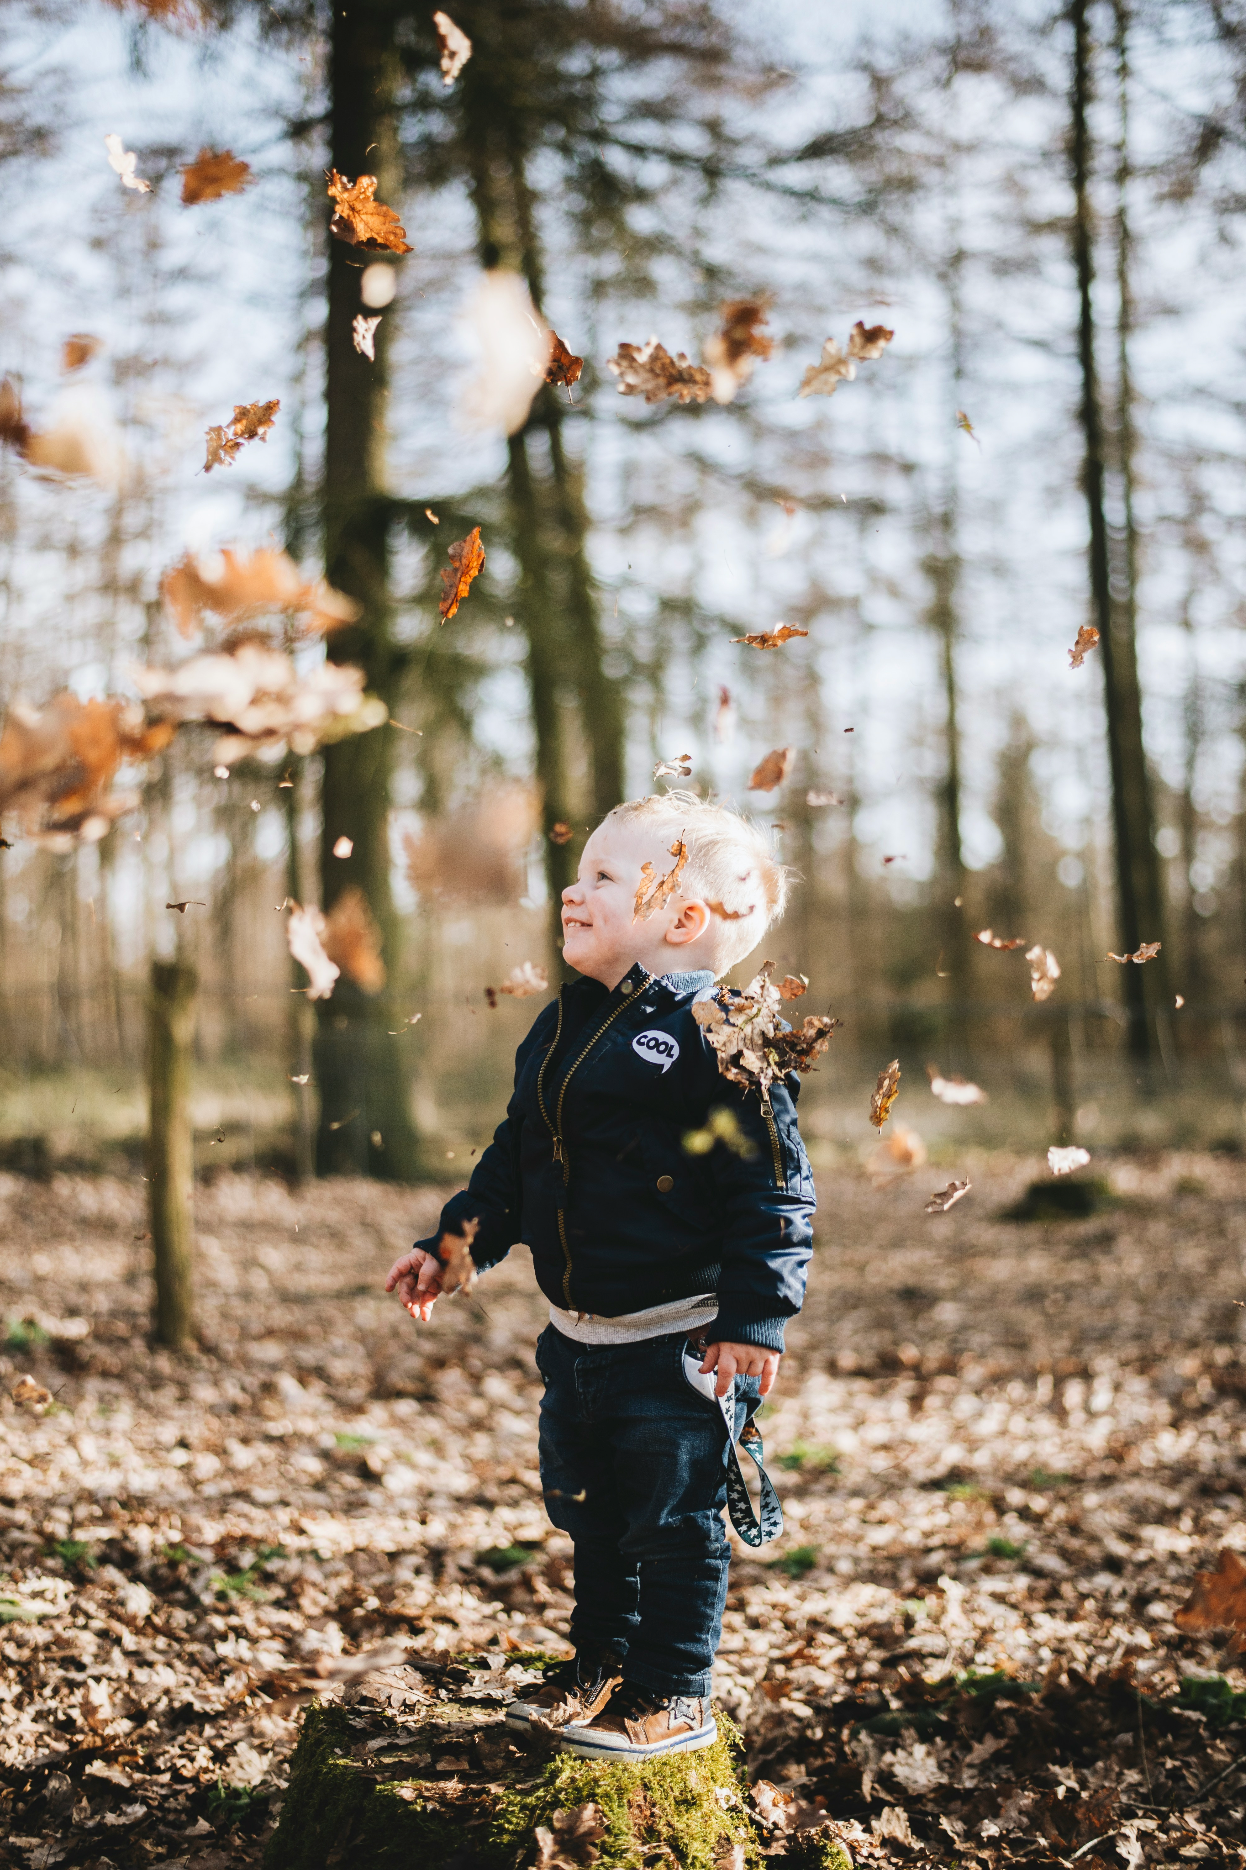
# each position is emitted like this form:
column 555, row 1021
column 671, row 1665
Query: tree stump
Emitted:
column 415, row 1769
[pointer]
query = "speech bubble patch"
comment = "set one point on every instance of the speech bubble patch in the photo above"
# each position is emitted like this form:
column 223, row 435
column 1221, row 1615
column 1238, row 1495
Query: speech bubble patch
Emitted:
column 656, row 1048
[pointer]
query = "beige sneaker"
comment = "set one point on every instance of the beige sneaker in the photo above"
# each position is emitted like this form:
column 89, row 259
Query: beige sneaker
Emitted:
column 573, row 1690
column 638, row 1724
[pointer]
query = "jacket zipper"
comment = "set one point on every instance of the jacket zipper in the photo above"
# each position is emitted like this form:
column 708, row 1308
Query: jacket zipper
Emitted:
column 555, row 1128
column 775, row 1149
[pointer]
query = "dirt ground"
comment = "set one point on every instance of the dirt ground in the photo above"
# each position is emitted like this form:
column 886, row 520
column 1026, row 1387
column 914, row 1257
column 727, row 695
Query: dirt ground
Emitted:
column 1003, row 1451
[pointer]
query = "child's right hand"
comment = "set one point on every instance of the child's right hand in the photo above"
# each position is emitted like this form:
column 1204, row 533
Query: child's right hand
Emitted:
column 417, row 1278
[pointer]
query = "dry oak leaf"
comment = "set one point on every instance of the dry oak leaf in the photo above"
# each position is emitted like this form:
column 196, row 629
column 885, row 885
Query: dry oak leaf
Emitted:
column 1087, row 637
column 561, row 832
column 190, row 903
column 1217, row 1600
column 455, row 1253
column 650, row 371
column 885, row 1094
column 360, row 219
column 78, row 349
column 456, row 47
column 989, row 940
column 678, row 768
column 754, row 1042
column 773, row 770
column 564, row 366
column 653, row 894
column 835, row 366
column 783, row 1811
column 771, row 639
column 1044, row 971
column 1147, row 951
column 28, row 1394
column 351, row 941
column 467, row 556
column 57, row 763
column 213, row 173
column 572, row 1841
column 235, row 588
column 732, row 352
column 74, row 446
column 123, row 162
column 294, row 1687
column 303, row 932
column 250, row 422
column 814, row 799
column 945, row 1198
column 1064, row 1161
column 264, row 697
column 363, row 336
column 966, row 427
column 526, row 979
column 792, row 986
column 954, row 1090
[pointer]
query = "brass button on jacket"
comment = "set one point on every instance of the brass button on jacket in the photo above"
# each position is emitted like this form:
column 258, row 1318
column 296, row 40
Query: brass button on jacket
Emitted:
column 665, row 1184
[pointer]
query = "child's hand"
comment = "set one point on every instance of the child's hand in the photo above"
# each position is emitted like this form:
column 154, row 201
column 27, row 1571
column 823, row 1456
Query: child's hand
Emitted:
column 741, row 1360
column 417, row 1277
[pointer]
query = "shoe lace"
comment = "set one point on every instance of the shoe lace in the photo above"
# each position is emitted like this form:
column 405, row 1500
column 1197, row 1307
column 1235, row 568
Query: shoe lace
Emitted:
column 632, row 1701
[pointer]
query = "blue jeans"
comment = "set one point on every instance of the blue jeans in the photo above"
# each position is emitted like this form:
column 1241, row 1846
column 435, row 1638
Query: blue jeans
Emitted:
column 633, row 1467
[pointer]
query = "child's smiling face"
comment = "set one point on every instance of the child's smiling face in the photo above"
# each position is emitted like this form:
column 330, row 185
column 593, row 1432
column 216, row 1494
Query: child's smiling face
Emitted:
column 601, row 935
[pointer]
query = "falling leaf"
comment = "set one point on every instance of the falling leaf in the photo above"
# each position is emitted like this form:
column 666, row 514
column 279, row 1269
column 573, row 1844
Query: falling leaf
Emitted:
column 123, row 161
column 57, row 763
column 235, row 589
column 429, row 515
column 212, row 174
column 945, row 1198
column 989, row 940
column 300, row 1077
column 792, row 986
column 343, row 847
column 561, row 833
column 74, row 446
column 28, row 1394
column 885, row 1093
column 572, row 1842
column 1180, row 1000
column 966, row 426
column 456, row 47
column 651, row 894
column 722, row 714
column 903, row 1147
column 455, row 1253
column 303, row 932
column 264, row 697
column 1044, row 972
column 526, row 979
column 78, row 349
column 814, row 799
column 650, row 371
column 360, row 219
column 1147, row 952
column 1217, row 1601
column 771, row 639
column 250, row 422
column 1064, row 1161
column 954, row 1090
column 897, row 857
column 467, row 556
column 564, row 366
column 1087, row 637
column 190, row 903
column 835, row 366
column 732, row 352
column 514, row 344
column 363, row 334
column 352, row 941
column 754, row 1042
column 773, row 770
column 678, row 768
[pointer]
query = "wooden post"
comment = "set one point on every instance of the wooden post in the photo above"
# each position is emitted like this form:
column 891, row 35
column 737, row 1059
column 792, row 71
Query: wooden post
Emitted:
column 170, row 1147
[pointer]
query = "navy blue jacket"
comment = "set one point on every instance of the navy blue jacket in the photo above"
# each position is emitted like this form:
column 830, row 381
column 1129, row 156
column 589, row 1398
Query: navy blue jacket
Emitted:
column 589, row 1166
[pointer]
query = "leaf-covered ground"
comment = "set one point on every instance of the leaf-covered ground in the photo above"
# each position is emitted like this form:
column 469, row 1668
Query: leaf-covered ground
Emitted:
column 1003, row 1451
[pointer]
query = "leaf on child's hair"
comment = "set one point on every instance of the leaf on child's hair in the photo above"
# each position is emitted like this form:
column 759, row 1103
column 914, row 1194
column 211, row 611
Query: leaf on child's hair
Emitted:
column 989, row 940
column 212, row 174
column 250, row 422
column 835, row 366
column 730, row 915
column 650, row 371
column 678, row 768
column 653, row 894
column 1147, row 952
column 792, row 986
column 754, row 1042
column 456, row 47
column 352, row 940
column 1064, row 1161
column 455, row 1253
column 773, row 770
column 945, row 1198
column 885, row 1093
column 360, row 219
column 771, row 639
column 467, row 557
column 1217, row 1601
column 954, row 1090
column 733, row 350
column 1087, row 637
column 1044, row 971
column 564, row 366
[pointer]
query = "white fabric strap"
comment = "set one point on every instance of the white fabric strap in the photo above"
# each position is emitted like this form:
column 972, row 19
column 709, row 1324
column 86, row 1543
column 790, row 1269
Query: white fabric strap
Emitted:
column 633, row 1327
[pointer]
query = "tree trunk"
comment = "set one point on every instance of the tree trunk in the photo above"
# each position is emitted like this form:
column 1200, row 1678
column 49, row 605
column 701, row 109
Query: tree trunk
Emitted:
column 170, row 1150
column 363, row 1087
column 1137, row 869
column 300, row 1018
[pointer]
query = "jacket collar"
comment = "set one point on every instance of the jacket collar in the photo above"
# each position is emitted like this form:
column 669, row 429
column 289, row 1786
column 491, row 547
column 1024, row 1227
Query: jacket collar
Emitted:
column 695, row 982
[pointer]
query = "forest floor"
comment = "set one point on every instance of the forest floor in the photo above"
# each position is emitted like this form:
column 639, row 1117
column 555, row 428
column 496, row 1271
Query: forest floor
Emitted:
column 1003, row 1451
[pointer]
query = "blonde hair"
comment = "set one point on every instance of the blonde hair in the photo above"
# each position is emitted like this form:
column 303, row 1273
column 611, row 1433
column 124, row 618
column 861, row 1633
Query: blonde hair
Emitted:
column 729, row 865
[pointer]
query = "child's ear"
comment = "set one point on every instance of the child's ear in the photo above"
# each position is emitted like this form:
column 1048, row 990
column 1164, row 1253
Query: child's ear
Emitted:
column 691, row 923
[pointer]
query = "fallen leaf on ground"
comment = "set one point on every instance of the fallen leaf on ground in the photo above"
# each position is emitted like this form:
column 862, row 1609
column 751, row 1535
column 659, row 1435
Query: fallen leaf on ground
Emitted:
column 250, row 422
column 770, row 639
column 678, row 768
column 1044, row 971
column 1147, row 952
column 754, row 1042
column 515, row 345
column 561, row 832
column 954, row 1090
column 293, row 1688
column 945, row 1198
column 784, row 1811
column 28, row 1394
column 773, row 770
column 456, row 47
column 835, row 366
column 572, row 1841
column 361, row 220
column 792, row 986
column 363, row 335
column 303, row 932
column 564, row 366
column 467, row 557
column 814, row 799
column 352, row 940
column 1087, row 637
column 1064, row 1161
column 989, row 940
column 124, row 161
column 455, row 1253
column 885, row 1093
column 650, row 371
column 733, row 351
column 212, row 174
column 235, row 589
column 78, row 349
column 1217, row 1600
column 651, row 894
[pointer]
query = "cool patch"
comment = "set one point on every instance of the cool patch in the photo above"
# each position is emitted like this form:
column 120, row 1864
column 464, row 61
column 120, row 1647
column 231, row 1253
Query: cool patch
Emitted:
column 656, row 1048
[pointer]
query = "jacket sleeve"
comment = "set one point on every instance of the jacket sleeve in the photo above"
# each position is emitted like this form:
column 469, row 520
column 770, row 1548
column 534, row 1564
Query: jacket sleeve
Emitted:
column 767, row 1198
column 493, row 1197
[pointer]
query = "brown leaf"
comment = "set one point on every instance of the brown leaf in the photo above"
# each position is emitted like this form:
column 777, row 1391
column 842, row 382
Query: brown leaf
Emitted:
column 526, row 979
column 722, row 714
column 783, row 1811
column 249, row 422
column 57, row 763
column 467, row 556
column 954, row 1090
column 1087, row 637
column 835, row 366
column 213, row 173
column 754, row 1042
column 360, row 219
column 997, row 941
column 945, row 1198
column 455, row 1253
column 564, row 366
column 352, row 940
column 966, row 426
column 814, row 799
column 732, row 352
column 293, row 1688
column 572, row 1841
column 1217, row 1600
column 1044, row 971
column 730, row 915
column 771, row 639
column 13, row 429
column 28, row 1394
column 885, row 1093
column 181, row 908
column 1147, row 952
column 456, row 47
column 651, row 895
column 561, row 833
column 773, row 770
column 236, row 588
column 650, row 371
column 678, row 768
column 869, row 342
column 792, row 986
column 78, row 349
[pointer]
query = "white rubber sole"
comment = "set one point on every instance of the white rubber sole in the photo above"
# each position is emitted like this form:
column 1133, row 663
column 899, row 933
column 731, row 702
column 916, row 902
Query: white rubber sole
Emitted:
column 520, row 1714
column 591, row 1746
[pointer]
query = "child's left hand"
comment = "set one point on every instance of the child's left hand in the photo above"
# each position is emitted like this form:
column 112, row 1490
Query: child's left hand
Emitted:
column 741, row 1360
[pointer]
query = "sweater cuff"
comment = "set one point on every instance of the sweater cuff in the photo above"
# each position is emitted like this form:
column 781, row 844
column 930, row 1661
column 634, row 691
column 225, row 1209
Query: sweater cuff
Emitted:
column 766, row 1333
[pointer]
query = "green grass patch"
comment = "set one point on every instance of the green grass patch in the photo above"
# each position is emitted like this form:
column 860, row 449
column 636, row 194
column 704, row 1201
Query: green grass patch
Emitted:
column 1213, row 1697
column 994, row 1685
column 228, row 1806
column 964, row 1490
column 246, row 1582
column 78, row 1554
column 1072, row 1198
column 801, row 1457
column 24, row 1334
column 1042, row 1480
column 506, row 1557
column 797, row 1563
column 1003, row 1548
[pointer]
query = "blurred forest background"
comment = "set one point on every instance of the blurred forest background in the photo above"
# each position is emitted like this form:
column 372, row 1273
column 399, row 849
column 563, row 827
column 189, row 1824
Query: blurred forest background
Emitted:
column 1046, row 204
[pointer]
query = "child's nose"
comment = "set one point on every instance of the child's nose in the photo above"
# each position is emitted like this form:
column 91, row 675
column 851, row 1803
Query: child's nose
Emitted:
column 572, row 892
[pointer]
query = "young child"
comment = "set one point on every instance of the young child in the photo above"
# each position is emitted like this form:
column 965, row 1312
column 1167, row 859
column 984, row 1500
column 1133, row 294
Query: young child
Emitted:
column 644, row 1250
